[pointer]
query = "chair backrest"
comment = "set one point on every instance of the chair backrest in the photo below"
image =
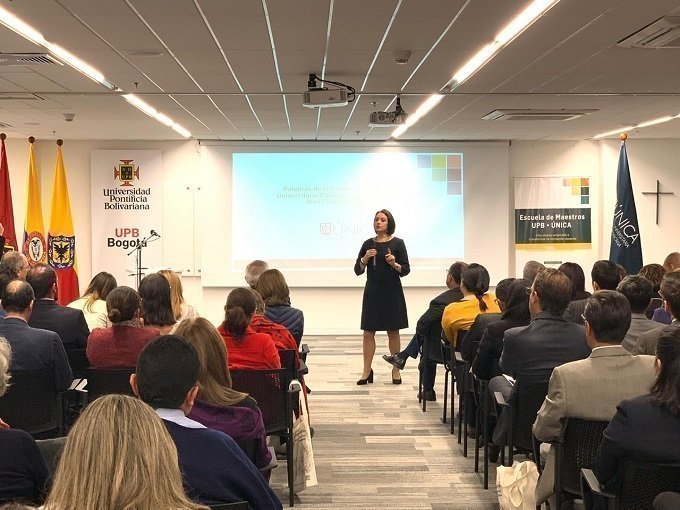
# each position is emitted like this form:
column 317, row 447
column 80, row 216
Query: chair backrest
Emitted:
column 79, row 362
column 528, row 396
column 32, row 403
column 287, row 357
column 577, row 450
column 240, row 505
column 643, row 481
column 270, row 389
column 104, row 381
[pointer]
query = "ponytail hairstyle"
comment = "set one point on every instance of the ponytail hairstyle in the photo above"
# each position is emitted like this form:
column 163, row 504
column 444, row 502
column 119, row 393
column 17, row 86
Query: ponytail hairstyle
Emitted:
column 476, row 280
column 239, row 312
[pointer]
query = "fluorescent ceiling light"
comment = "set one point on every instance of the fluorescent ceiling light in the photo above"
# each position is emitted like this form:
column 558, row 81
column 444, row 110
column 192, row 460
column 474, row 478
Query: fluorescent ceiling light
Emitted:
column 653, row 122
column 523, row 20
column 614, row 132
column 518, row 25
column 24, row 30
column 79, row 65
column 145, row 107
column 422, row 110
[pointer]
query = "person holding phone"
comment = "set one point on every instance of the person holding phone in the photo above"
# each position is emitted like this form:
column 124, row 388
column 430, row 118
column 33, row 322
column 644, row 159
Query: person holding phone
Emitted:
column 385, row 261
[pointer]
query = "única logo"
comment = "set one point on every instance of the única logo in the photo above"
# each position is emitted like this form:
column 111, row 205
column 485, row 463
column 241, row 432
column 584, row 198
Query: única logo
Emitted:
column 126, row 172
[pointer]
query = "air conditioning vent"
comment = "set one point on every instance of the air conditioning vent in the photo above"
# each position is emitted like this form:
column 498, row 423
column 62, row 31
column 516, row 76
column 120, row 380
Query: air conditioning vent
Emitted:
column 27, row 59
column 662, row 33
column 530, row 114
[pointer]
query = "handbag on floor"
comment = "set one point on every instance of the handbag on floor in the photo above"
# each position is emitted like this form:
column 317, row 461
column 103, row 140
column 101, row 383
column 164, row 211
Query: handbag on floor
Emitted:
column 304, row 469
column 516, row 486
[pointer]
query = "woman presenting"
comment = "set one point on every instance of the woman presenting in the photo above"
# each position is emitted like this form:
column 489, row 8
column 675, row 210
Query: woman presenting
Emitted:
column 385, row 259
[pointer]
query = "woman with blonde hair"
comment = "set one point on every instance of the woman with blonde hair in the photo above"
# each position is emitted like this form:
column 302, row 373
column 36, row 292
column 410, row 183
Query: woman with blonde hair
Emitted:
column 93, row 301
column 118, row 455
column 180, row 308
column 218, row 406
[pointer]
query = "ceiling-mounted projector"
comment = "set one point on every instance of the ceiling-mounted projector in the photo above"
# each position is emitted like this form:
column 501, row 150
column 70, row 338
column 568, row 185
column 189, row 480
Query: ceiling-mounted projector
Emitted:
column 324, row 97
column 388, row 119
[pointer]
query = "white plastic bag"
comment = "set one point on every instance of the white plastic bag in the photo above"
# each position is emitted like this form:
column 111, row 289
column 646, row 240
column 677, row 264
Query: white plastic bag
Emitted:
column 516, row 486
column 304, row 468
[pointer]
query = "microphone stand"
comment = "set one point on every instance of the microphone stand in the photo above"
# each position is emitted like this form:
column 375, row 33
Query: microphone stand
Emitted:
column 137, row 250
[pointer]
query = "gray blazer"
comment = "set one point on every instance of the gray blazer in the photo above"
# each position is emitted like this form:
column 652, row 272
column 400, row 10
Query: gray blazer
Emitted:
column 646, row 343
column 639, row 323
column 589, row 389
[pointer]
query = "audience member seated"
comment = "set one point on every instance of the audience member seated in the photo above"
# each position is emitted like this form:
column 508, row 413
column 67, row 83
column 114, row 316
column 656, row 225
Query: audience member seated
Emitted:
column 646, row 428
column 515, row 313
column 118, row 455
column 469, row 345
column 93, row 302
column 274, row 290
column 548, row 341
column 430, row 324
column 253, row 272
column 247, row 349
column 156, row 304
column 215, row 468
column 23, row 473
column 460, row 315
column 590, row 389
column 670, row 291
column 639, row 292
column 283, row 339
column 218, row 406
column 119, row 345
column 180, row 309
column 531, row 269
column 15, row 265
column 654, row 273
column 671, row 263
column 32, row 348
column 68, row 323
column 577, row 279
column 666, row 501
column 605, row 276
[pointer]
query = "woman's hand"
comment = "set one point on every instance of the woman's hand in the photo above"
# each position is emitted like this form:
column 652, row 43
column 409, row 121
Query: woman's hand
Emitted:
column 3, row 425
column 392, row 261
column 368, row 256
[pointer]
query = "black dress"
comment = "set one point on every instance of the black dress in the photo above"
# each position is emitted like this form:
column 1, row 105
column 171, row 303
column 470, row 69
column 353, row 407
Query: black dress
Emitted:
column 384, row 306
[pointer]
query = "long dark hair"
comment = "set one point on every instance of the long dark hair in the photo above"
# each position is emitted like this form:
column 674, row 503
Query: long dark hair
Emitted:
column 154, row 290
column 577, row 278
column 99, row 288
column 476, row 280
column 666, row 388
column 239, row 312
column 517, row 305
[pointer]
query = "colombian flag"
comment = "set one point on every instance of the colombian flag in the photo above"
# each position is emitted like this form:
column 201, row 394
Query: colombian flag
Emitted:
column 34, row 230
column 6, row 210
column 61, row 241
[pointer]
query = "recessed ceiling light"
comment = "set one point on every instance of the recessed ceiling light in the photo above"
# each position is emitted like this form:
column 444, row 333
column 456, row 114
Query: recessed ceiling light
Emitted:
column 146, row 53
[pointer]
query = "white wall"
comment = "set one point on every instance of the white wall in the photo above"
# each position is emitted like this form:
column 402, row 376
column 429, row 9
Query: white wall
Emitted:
column 337, row 310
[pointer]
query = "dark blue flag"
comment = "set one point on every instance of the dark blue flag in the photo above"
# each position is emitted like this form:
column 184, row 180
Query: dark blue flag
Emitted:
column 626, row 247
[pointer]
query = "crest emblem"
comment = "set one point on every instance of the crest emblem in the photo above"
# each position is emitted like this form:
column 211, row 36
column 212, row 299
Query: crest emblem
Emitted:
column 35, row 248
column 126, row 172
column 62, row 251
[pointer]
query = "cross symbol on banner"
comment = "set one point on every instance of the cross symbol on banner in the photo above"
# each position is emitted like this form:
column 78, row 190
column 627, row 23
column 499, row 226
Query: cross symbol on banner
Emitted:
column 658, row 194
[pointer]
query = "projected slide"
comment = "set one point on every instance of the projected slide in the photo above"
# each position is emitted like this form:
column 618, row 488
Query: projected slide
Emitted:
column 312, row 211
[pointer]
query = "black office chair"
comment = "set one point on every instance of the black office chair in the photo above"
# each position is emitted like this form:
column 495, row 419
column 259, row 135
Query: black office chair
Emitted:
column 640, row 484
column 431, row 352
column 527, row 398
column 79, row 363
column 32, row 403
column 276, row 401
column 576, row 450
column 105, row 381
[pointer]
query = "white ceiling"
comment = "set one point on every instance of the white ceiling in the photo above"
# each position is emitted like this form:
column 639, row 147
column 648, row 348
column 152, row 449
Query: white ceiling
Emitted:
column 235, row 69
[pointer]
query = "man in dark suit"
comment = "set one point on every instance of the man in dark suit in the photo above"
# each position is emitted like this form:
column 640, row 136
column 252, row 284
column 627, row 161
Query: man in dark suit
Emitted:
column 429, row 325
column 32, row 348
column 548, row 341
column 68, row 323
column 670, row 292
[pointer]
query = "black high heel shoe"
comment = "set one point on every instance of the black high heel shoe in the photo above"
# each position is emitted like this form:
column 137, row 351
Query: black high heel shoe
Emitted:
column 369, row 379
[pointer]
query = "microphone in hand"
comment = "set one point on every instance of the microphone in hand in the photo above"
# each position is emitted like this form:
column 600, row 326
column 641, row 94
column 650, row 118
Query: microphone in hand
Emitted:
column 375, row 247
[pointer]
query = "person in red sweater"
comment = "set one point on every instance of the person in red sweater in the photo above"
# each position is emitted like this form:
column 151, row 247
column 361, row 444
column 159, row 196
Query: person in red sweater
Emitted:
column 247, row 349
column 119, row 346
